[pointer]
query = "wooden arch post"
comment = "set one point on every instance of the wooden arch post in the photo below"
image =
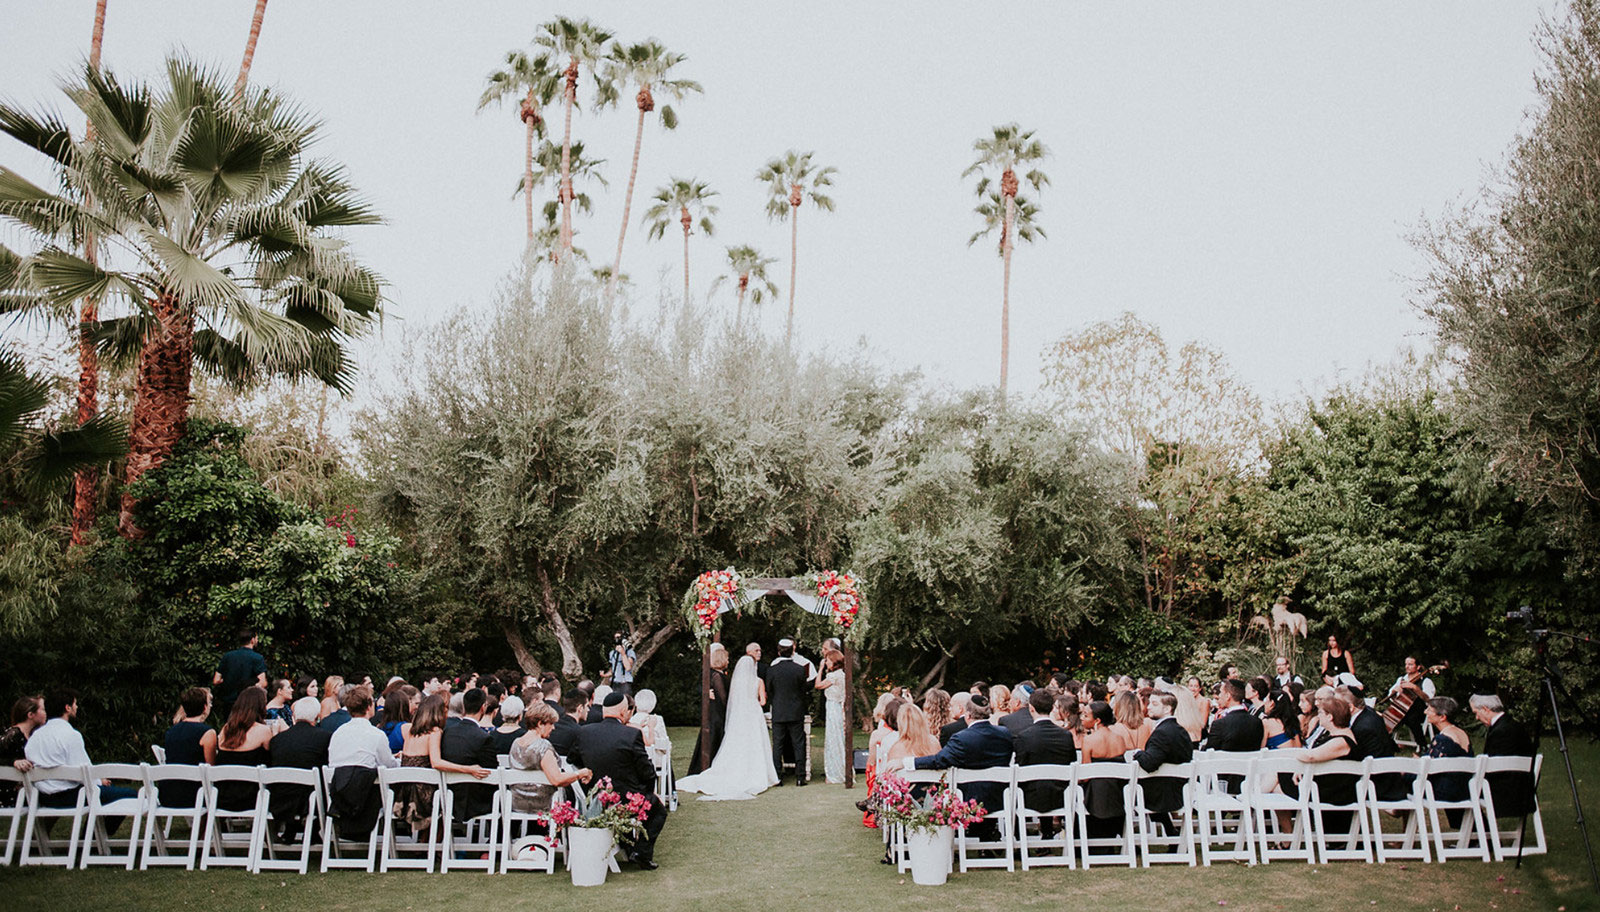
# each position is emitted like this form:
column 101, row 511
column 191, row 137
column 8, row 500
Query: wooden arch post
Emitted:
column 705, row 703
column 849, row 715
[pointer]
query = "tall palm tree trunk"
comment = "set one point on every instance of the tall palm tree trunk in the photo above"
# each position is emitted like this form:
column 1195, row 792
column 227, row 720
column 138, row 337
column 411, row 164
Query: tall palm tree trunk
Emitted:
column 87, row 479
column 569, row 98
column 161, row 402
column 530, row 117
column 794, row 251
column 738, row 313
column 645, row 104
column 249, row 50
column 1005, row 298
column 686, row 223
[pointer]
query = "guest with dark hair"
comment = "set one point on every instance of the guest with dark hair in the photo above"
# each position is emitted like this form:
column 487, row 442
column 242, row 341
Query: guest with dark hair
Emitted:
column 306, row 686
column 466, row 743
column 245, row 741
column 1281, row 722
column 1168, row 743
column 190, row 741
column 27, row 714
column 1045, row 742
column 278, row 712
column 400, row 701
column 564, row 736
column 980, row 745
column 1256, row 691
column 237, row 669
column 612, row 749
column 1235, row 728
column 57, row 743
column 1449, row 742
column 424, row 747
column 1336, row 660
column 356, row 751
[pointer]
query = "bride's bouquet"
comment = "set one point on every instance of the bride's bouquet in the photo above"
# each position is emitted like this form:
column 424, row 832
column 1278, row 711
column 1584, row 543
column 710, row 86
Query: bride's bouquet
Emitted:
column 604, row 808
column 940, row 805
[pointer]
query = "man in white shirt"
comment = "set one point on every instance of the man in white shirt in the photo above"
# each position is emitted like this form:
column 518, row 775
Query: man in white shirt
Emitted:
column 1283, row 676
column 57, row 743
column 359, row 742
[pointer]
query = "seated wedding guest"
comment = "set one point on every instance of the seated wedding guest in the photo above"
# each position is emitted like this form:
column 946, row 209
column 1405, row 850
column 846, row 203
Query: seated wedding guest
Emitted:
column 1373, row 740
column 999, row 702
column 1282, row 675
column 1167, row 743
column 1255, row 696
column 306, row 686
column 1235, row 728
column 881, row 731
column 510, row 727
column 332, row 720
column 190, row 741
column 1095, row 692
column 465, row 743
column 1504, row 737
column 980, row 745
column 413, row 802
column 278, row 713
column 1197, row 690
column 356, row 751
column 978, row 687
column 596, row 703
column 301, row 746
column 916, row 738
column 1281, row 723
column 612, row 750
column 1065, row 714
column 936, row 706
column 244, row 741
column 1045, row 742
column 57, row 743
column 1017, row 718
column 401, row 702
column 891, row 732
column 574, row 709
column 1449, row 741
column 1130, row 720
column 27, row 714
column 1102, row 798
column 1335, row 788
column 1099, row 742
column 1228, row 672
column 653, row 727
column 533, row 751
column 550, row 689
column 958, row 717
column 491, row 712
column 1311, row 728
column 332, row 700
column 1189, row 714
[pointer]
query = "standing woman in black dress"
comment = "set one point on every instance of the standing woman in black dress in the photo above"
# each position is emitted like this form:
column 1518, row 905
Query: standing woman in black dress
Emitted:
column 1336, row 660
column 719, row 706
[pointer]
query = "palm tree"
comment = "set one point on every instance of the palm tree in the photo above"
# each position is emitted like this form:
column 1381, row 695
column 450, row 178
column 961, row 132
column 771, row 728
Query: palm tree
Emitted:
column 790, row 178
column 88, row 478
column 645, row 65
column 220, row 234
column 49, row 455
column 535, row 81
column 678, row 196
column 547, row 168
column 745, row 263
column 249, row 50
column 1024, row 225
column 1009, row 148
column 582, row 43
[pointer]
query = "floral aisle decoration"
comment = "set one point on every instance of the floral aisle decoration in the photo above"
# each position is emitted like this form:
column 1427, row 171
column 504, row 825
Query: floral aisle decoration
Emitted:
column 939, row 806
column 703, row 602
column 841, row 592
column 604, row 808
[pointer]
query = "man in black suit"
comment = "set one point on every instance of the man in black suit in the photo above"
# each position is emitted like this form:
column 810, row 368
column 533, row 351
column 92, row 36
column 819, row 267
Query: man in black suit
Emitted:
column 1015, row 722
column 1372, row 740
column 1505, row 737
column 301, row 746
column 564, row 737
column 615, row 750
column 465, row 741
column 1168, row 743
column 592, row 714
column 1045, row 742
column 788, row 685
column 980, row 745
column 1236, row 729
column 958, row 707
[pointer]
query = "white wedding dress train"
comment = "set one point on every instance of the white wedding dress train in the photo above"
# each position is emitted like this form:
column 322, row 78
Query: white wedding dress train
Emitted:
column 742, row 767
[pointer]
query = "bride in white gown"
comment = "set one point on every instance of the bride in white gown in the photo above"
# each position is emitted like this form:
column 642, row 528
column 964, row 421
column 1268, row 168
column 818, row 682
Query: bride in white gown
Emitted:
column 742, row 767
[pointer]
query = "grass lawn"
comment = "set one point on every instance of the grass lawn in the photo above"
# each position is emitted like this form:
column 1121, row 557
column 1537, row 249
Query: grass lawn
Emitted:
column 805, row 848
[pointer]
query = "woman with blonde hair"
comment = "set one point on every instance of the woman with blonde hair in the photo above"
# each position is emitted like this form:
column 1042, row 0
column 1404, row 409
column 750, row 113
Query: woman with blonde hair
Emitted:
column 1000, row 701
column 1189, row 713
column 936, row 706
column 882, row 731
column 718, row 717
column 330, row 696
column 1130, row 725
column 915, row 740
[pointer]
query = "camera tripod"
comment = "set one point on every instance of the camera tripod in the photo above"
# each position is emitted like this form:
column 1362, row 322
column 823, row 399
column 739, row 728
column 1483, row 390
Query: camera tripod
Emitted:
column 1552, row 682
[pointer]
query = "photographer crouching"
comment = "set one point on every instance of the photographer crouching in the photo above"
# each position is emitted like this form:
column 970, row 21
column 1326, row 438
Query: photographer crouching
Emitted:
column 621, row 659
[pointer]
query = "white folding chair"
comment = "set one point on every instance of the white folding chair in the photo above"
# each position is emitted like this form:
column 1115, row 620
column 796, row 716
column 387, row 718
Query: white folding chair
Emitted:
column 1145, row 820
column 666, row 782
column 480, row 832
column 36, row 834
column 1505, row 843
column 290, row 777
column 1117, row 774
column 221, row 837
column 99, row 846
column 1005, row 819
column 161, row 754
column 397, row 854
column 1471, row 838
column 502, row 761
column 1410, row 842
column 16, row 812
column 520, row 846
column 334, row 846
column 1357, row 840
column 1036, row 849
column 1218, row 811
column 1268, row 799
column 159, row 817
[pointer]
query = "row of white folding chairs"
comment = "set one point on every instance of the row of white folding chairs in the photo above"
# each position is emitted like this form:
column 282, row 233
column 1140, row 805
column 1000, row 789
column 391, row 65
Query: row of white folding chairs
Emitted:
column 502, row 839
column 1234, row 810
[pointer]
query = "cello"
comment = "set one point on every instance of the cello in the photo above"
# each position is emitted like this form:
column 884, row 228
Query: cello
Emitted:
column 1406, row 695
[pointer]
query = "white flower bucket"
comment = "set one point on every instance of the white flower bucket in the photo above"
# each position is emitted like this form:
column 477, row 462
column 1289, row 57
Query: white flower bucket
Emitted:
column 930, row 855
column 589, row 855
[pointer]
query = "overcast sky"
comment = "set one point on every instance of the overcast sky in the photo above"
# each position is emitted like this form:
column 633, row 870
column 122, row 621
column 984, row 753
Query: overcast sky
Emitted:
column 1244, row 174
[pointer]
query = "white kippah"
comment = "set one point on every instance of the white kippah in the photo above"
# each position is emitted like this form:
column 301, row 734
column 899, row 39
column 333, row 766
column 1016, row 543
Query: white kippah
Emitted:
column 786, row 642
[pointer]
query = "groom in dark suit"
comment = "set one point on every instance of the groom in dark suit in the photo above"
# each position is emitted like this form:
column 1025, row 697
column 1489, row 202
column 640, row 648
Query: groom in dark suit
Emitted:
column 788, row 685
column 980, row 745
column 1168, row 743
column 613, row 749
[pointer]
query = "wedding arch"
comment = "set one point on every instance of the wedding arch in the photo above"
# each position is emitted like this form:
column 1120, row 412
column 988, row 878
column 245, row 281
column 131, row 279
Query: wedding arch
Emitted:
column 828, row 594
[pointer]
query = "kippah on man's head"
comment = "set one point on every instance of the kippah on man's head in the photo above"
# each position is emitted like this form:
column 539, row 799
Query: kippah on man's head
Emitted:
column 614, row 699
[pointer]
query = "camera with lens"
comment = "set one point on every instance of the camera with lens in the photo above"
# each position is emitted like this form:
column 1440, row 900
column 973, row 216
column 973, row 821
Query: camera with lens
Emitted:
column 620, row 639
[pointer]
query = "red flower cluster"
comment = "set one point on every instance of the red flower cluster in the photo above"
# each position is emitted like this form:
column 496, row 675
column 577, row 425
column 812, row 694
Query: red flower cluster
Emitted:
column 345, row 520
column 639, row 805
column 562, row 813
column 710, row 589
column 941, row 806
column 839, row 590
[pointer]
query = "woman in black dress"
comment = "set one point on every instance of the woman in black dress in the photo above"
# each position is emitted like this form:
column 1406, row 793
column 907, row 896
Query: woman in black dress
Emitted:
column 27, row 714
column 1336, row 660
column 1335, row 788
column 244, row 742
column 719, row 706
column 189, row 742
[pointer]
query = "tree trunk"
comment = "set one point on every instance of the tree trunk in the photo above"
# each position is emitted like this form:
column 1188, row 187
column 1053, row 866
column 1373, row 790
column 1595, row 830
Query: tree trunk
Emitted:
column 849, row 720
column 794, row 251
column 705, row 707
column 571, row 665
column 738, row 313
column 1005, row 299
column 570, row 97
column 84, row 484
column 161, row 398
column 530, row 117
column 519, row 647
column 627, row 198
column 686, row 223
column 937, row 671
column 653, row 643
column 249, row 51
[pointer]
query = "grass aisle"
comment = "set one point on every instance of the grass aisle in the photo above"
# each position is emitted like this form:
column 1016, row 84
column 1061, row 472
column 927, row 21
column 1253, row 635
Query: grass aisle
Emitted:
column 805, row 848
